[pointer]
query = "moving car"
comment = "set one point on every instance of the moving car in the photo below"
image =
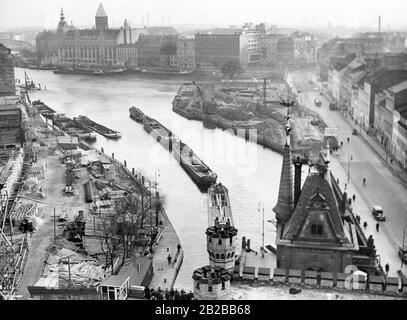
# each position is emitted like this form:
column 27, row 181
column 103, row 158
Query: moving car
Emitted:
column 377, row 212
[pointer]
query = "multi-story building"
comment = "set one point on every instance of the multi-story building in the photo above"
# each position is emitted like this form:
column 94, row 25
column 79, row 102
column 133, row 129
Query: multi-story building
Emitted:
column 151, row 46
column 335, row 72
column 269, row 49
column 89, row 47
column 396, row 99
column 212, row 50
column 11, row 133
column 342, row 47
column 186, row 54
column 253, row 45
column 374, row 82
column 47, row 42
column 7, row 80
column 285, row 51
column 400, row 134
column 304, row 47
column 390, row 105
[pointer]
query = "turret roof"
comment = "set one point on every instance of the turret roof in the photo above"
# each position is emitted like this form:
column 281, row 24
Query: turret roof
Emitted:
column 101, row 11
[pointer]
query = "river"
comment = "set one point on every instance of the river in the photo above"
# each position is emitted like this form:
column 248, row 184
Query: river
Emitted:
column 250, row 172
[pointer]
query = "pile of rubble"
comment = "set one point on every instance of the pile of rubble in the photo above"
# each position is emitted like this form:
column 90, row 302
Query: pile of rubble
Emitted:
column 68, row 268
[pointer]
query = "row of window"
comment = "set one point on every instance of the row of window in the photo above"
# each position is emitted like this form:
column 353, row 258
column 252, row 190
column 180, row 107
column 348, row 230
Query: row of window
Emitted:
column 210, row 288
column 222, row 255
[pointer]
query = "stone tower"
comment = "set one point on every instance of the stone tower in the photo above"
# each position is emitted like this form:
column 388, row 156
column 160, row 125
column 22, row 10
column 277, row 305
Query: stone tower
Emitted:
column 101, row 20
column 221, row 234
column 285, row 202
column 7, row 81
column 212, row 282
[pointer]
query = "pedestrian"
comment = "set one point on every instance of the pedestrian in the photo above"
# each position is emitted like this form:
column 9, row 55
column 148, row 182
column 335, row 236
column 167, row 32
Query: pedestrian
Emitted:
column 364, row 181
column 172, row 294
column 348, row 139
column 377, row 227
column 341, row 144
column 147, row 293
column 391, row 160
column 387, row 268
column 365, row 224
column 167, row 294
column 358, row 218
column 169, row 259
column 178, row 248
column 353, row 198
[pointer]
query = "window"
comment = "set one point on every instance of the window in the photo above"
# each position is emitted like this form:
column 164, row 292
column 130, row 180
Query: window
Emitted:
column 220, row 241
column 316, row 229
column 223, row 286
column 209, row 288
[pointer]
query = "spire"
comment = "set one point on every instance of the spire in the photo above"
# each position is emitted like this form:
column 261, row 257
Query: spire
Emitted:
column 62, row 14
column 101, row 11
column 285, row 202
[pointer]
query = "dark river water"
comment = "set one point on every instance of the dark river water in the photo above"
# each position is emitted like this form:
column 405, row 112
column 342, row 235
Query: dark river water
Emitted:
column 250, row 172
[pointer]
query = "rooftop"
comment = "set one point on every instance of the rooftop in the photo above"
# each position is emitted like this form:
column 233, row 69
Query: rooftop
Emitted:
column 399, row 87
column 101, row 11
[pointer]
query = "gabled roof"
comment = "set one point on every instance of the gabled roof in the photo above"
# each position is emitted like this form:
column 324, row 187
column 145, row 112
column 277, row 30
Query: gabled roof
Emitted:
column 315, row 184
column 101, row 11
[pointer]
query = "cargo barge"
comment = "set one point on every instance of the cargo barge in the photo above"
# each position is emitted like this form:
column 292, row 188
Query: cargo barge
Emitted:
column 158, row 132
column 136, row 114
column 92, row 125
column 71, row 127
column 199, row 172
column 43, row 109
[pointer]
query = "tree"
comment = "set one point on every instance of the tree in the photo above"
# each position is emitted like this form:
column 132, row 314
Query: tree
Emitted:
column 231, row 68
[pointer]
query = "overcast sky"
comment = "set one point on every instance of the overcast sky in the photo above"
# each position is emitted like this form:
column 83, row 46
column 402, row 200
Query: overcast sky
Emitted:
column 352, row 13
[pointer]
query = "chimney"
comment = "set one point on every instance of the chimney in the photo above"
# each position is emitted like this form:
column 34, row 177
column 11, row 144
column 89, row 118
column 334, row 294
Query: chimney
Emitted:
column 297, row 180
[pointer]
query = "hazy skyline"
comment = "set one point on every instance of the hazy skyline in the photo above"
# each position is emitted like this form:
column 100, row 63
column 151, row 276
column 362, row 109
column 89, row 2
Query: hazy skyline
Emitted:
column 310, row 13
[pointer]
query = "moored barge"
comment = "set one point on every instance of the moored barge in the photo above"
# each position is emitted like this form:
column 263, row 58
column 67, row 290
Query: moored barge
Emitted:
column 92, row 125
column 136, row 114
column 200, row 173
column 72, row 128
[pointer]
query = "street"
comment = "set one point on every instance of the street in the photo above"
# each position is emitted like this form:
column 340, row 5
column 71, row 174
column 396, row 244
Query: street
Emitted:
column 382, row 187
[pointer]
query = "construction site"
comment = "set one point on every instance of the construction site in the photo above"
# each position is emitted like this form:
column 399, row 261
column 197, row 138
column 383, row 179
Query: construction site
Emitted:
column 244, row 105
column 75, row 223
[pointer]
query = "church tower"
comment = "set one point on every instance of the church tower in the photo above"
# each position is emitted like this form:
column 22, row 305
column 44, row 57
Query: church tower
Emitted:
column 101, row 21
column 285, row 202
column 62, row 23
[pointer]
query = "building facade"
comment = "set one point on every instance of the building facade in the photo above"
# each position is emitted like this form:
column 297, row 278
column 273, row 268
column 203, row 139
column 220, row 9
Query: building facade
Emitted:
column 11, row 132
column 214, row 50
column 186, row 54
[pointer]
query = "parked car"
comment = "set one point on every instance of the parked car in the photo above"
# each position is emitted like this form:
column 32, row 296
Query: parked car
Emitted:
column 317, row 102
column 377, row 212
column 355, row 132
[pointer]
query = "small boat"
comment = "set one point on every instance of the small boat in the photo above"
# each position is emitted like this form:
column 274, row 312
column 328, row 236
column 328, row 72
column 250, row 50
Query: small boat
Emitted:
column 92, row 125
column 136, row 114
column 200, row 173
